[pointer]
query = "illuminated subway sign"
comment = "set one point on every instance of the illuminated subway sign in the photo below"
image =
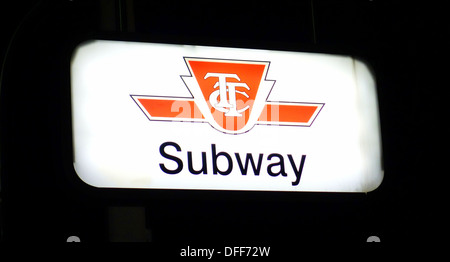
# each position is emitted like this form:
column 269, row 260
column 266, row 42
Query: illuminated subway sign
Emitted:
column 223, row 119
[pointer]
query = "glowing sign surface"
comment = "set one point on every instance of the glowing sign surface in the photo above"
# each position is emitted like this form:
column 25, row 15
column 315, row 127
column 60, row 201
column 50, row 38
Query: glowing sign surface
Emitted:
column 166, row 116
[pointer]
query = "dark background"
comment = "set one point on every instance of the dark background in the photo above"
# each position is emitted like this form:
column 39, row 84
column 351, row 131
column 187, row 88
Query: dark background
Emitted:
column 41, row 196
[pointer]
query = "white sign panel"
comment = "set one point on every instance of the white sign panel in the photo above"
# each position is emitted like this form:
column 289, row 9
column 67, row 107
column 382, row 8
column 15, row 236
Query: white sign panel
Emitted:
column 167, row 116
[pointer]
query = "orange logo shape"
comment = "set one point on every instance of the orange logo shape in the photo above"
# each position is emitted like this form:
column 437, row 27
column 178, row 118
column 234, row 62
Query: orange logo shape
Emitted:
column 230, row 95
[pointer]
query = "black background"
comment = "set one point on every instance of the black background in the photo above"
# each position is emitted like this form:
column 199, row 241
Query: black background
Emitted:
column 41, row 196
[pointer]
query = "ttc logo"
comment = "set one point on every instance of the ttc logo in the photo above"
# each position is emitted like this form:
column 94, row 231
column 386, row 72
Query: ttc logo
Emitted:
column 230, row 95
